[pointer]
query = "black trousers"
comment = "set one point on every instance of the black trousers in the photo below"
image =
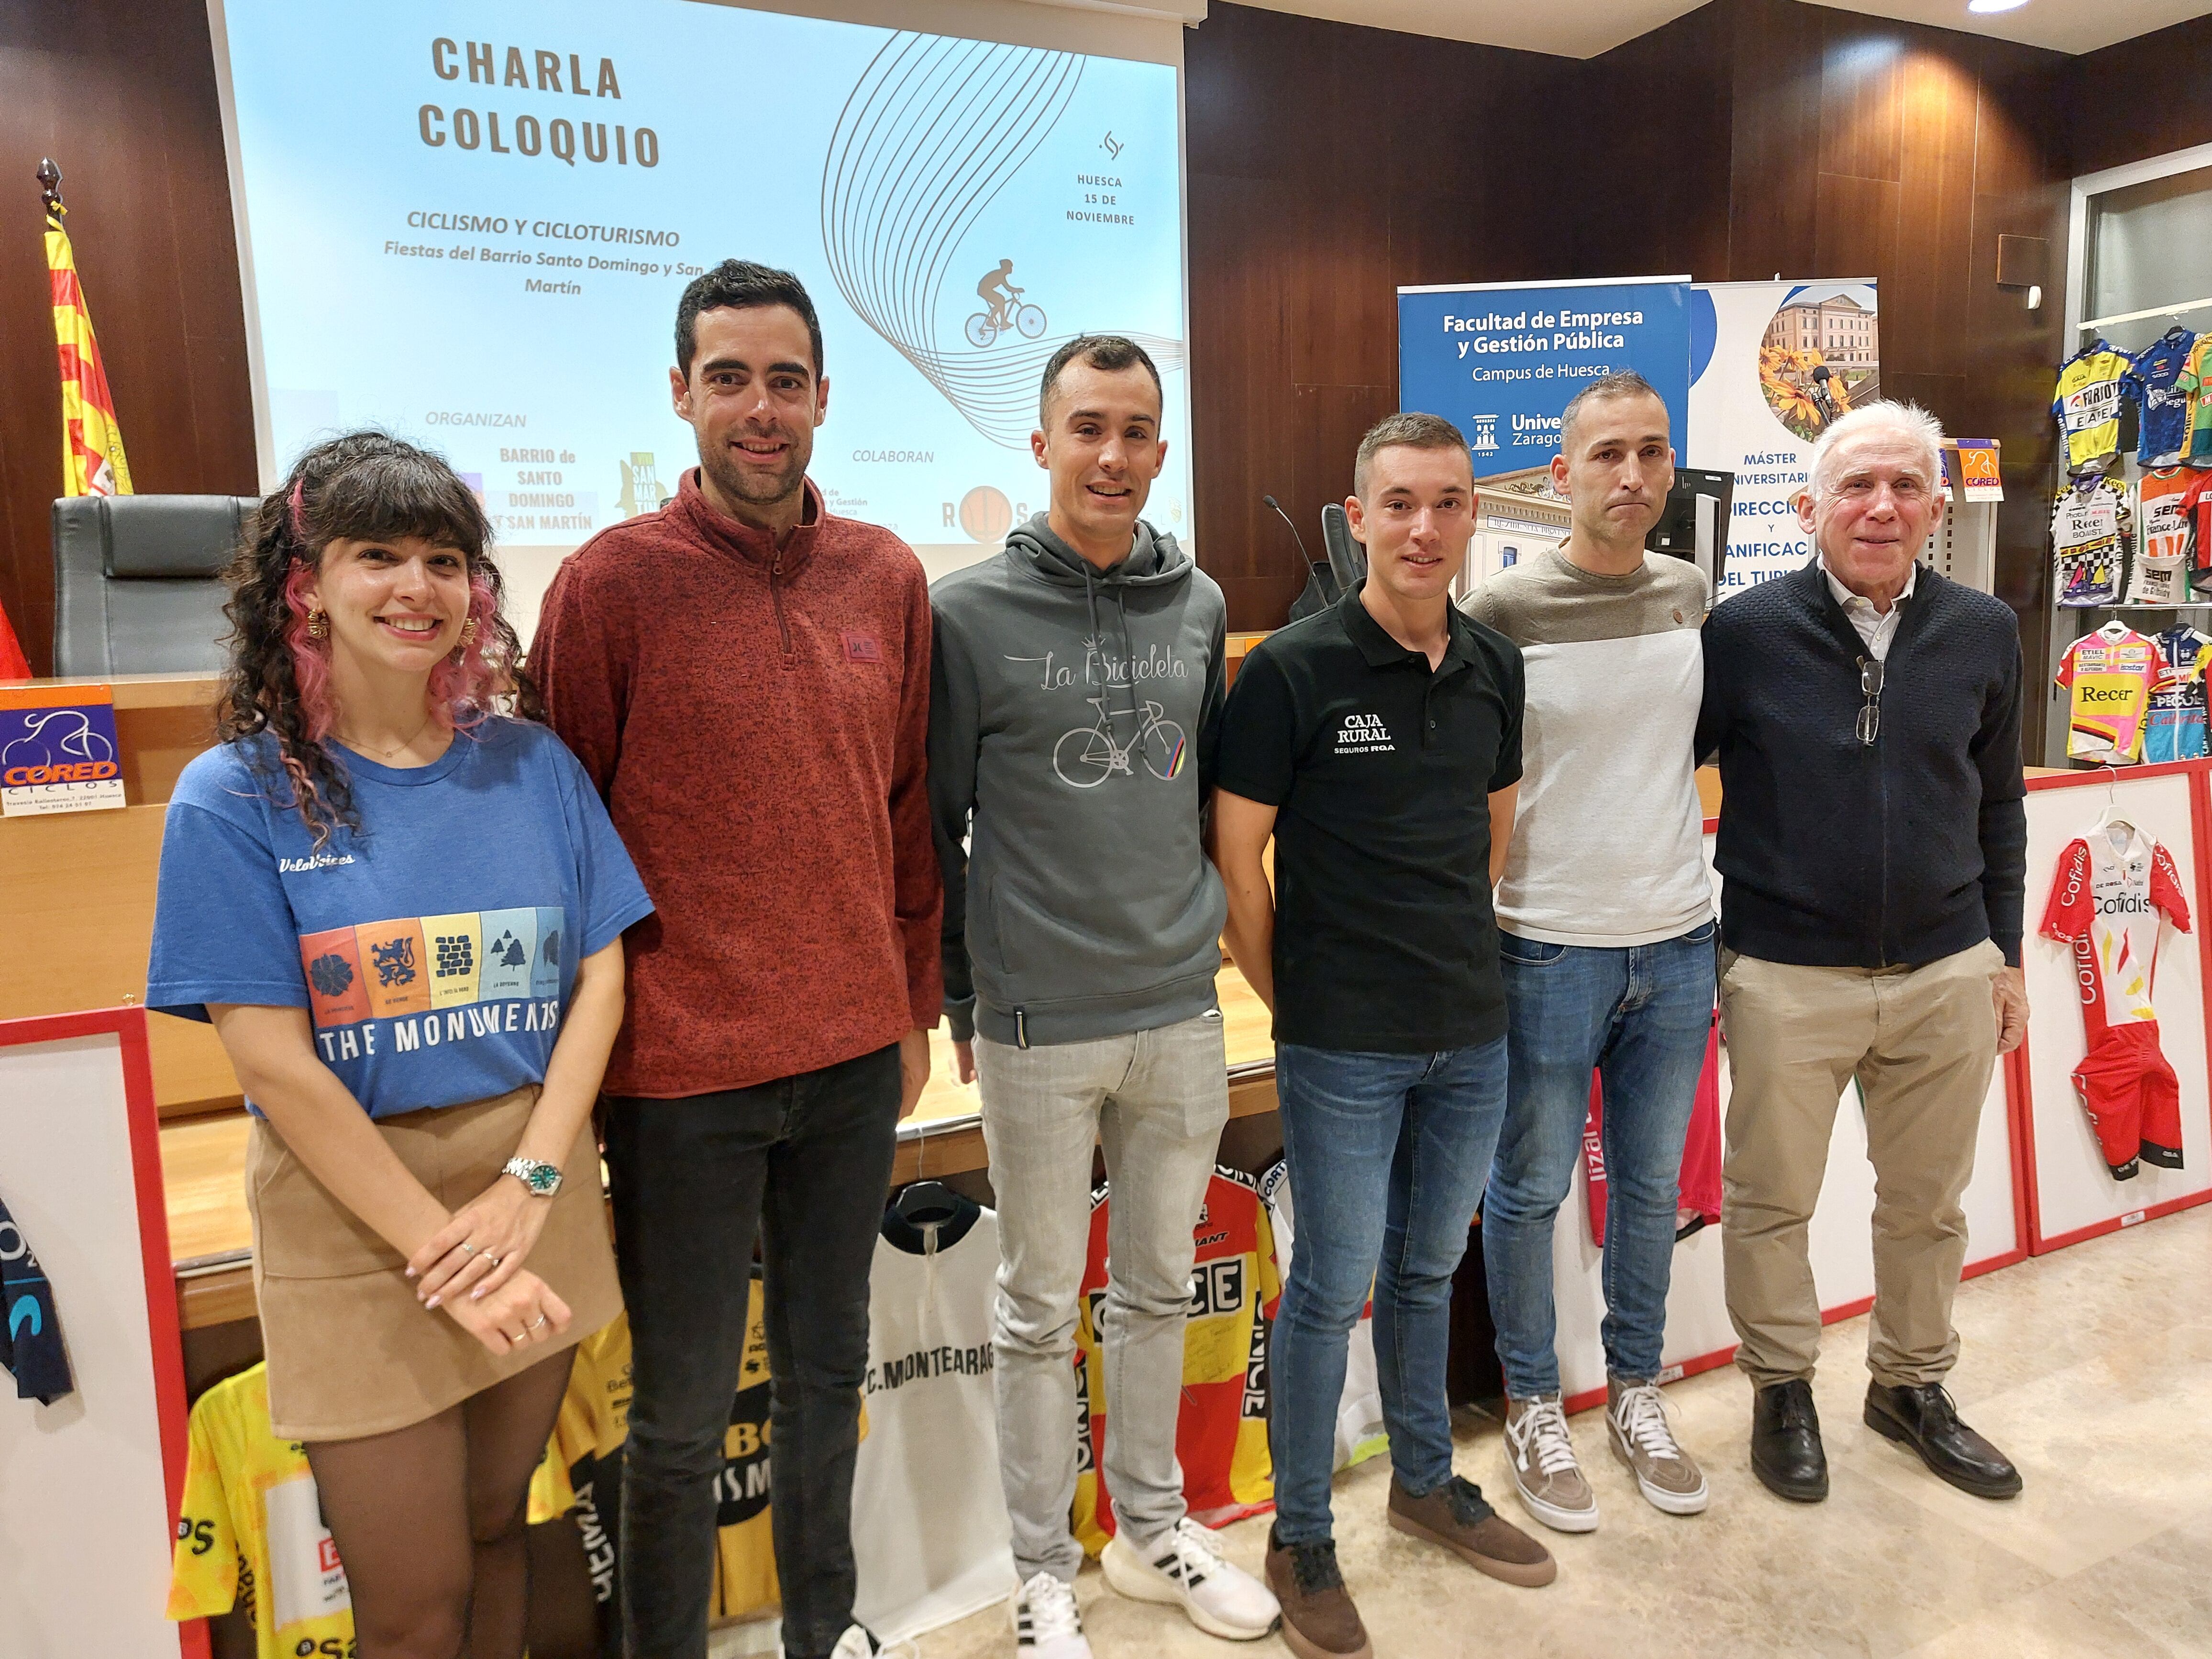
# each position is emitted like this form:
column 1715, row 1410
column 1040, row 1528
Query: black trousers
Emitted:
column 806, row 1162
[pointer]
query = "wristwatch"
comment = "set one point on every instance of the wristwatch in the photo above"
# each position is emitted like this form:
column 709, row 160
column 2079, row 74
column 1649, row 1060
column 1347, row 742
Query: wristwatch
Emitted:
column 543, row 1180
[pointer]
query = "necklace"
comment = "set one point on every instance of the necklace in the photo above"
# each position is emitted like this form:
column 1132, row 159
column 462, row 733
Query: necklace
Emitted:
column 396, row 748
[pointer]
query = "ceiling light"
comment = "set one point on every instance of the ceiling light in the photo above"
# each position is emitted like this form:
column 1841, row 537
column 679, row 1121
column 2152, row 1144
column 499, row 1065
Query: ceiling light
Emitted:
column 1995, row 5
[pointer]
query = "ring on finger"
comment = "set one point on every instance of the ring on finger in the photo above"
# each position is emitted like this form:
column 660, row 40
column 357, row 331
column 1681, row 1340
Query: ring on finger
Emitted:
column 490, row 1257
column 539, row 1322
column 465, row 1245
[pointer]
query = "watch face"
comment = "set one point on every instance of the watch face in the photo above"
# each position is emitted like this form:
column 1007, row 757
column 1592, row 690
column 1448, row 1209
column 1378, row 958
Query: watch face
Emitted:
column 543, row 1178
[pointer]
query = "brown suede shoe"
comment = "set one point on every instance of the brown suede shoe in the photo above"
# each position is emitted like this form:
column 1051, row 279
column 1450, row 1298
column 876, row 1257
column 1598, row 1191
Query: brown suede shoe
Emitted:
column 1319, row 1621
column 1454, row 1516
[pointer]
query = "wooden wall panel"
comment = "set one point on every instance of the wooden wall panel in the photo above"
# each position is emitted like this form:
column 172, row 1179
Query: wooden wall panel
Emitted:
column 2141, row 98
column 123, row 97
column 1329, row 165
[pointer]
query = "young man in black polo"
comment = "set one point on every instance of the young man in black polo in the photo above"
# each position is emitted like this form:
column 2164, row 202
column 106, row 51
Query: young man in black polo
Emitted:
column 1360, row 738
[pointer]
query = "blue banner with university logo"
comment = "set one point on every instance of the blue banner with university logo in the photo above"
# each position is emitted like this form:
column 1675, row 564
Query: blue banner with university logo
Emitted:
column 1501, row 360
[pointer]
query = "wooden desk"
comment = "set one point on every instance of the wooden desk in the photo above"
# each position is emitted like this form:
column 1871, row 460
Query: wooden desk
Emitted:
column 77, row 890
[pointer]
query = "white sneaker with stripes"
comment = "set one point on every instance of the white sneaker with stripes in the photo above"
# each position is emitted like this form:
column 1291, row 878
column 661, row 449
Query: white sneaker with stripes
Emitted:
column 1046, row 1624
column 1185, row 1568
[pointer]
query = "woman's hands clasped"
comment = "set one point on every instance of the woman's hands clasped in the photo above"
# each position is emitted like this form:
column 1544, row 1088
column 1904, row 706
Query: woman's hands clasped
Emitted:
column 522, row 1311
column 476, row 1254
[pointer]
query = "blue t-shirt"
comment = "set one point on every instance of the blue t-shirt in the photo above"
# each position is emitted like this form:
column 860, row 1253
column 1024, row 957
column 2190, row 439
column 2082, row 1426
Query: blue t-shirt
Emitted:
column 2150, row 381
column 435, row 951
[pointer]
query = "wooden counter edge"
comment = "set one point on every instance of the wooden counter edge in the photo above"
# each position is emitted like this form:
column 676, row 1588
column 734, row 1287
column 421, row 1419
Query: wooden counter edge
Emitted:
column 225, row 1294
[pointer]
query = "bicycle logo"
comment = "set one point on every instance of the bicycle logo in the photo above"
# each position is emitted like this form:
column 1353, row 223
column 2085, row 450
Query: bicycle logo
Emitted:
column 71, row 752
column 1086, row 756
column 1026, row 320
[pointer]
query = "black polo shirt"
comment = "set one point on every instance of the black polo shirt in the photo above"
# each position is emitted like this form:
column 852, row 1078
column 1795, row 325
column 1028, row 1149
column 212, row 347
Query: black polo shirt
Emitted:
column 1380, row 771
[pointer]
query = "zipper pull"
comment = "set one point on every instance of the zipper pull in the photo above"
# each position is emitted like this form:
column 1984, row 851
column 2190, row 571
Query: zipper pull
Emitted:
column 1021, row 1028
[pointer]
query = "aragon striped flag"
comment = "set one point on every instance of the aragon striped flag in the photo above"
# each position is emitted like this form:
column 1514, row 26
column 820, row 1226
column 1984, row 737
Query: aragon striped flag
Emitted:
column 92, row 443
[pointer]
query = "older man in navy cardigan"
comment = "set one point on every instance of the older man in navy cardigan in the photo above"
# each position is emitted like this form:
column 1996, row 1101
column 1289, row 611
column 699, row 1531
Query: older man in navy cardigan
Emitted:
column 1866, row 714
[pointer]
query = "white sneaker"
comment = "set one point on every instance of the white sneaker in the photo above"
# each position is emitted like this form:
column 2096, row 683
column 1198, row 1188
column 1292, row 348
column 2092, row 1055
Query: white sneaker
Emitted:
column 1546, row 1479
column 858, row 1643
column 1046, row 1624
column 1185, row 1568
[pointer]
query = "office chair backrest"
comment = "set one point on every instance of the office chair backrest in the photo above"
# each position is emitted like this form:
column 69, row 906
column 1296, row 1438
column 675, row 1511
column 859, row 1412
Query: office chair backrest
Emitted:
column 1347, row 559
column 136, row 582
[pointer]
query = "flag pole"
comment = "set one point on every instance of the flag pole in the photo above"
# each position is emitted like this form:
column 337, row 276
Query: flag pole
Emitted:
column 91, row 446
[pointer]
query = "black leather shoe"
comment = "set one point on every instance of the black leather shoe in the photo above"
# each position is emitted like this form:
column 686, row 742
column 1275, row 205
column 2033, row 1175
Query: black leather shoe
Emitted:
column 1785, row 1442
column 1925, row 1419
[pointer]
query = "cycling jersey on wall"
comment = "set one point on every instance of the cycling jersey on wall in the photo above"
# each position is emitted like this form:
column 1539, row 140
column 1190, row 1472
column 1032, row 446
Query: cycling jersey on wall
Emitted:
column 2154, row 383
column 2196, row 382
column 2111, row 889
column 30, row 1347
column 2089, row 522
column 1360, row 1434
column 1221, row 1430
column 931, row 1540
column 2196, row 506
column 2087, row 404
column 2177, row 729
column 2110, row 673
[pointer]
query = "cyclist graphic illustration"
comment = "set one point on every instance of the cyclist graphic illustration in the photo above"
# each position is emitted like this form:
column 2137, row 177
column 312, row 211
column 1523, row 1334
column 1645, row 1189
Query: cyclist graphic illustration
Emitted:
column 1088, row 755
column 998, row 293
column 55, row 737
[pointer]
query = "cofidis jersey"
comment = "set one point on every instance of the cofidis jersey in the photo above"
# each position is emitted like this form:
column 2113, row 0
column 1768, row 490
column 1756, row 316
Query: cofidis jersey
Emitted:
column 435, row 949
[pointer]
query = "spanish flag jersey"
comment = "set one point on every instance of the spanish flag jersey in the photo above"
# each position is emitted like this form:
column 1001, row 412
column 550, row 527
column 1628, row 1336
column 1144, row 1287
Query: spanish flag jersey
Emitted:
column 1221, row 1434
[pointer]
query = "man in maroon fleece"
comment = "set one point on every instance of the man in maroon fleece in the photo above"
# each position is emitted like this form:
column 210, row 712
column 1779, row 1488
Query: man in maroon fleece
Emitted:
column 746, row 678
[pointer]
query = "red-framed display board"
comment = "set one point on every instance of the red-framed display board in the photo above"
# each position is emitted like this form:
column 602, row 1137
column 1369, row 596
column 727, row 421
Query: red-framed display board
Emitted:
column 2068, row 1193
column 93, row 1477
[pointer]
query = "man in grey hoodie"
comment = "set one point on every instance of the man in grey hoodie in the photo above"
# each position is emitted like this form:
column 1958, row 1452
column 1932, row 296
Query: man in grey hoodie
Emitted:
column 1076, row 684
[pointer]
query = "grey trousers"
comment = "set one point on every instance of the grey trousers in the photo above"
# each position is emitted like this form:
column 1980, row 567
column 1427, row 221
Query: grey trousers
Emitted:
column 1158, row 1101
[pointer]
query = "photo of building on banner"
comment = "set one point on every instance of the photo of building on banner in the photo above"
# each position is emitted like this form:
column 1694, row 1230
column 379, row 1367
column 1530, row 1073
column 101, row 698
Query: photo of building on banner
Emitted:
column 1771, row 365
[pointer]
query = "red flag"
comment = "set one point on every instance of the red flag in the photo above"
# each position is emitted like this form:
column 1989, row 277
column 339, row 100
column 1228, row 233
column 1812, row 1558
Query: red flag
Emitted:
column 14, row 666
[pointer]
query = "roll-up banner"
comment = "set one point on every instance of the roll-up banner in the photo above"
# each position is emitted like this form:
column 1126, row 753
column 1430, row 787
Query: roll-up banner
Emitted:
column 1501, row 360
column 1773, row 364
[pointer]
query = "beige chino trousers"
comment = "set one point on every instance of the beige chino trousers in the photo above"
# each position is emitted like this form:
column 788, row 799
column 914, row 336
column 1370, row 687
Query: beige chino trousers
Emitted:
column 1922, row 1042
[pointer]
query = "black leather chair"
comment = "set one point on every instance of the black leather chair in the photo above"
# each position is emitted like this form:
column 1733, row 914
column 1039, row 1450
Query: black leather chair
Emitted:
column 136, row 584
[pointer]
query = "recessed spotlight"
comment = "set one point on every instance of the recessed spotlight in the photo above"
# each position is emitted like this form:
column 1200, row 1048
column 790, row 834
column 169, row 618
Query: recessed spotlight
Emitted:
column 1995, row 5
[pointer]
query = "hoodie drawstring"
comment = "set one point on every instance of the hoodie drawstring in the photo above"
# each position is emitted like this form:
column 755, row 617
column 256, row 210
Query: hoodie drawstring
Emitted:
column 1099, row 638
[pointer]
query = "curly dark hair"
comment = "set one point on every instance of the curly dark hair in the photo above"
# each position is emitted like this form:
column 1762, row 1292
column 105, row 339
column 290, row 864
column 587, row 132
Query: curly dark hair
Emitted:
column 365, row 486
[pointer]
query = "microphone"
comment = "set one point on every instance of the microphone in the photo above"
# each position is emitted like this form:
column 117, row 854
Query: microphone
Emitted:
column 1285, row 518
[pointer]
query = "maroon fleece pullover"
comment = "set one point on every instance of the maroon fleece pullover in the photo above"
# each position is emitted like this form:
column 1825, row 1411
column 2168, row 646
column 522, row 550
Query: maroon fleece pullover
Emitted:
column 757, row 720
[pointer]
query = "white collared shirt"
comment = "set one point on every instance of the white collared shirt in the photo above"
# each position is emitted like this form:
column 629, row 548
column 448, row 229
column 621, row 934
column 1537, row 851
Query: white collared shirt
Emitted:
column 1876, row 628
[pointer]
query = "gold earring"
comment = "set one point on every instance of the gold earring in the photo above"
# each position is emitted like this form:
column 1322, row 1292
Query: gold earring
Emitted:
column 319, row 624
column 468, row 631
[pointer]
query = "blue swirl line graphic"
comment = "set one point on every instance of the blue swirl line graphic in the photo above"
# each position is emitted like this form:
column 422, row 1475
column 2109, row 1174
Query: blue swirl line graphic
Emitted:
column 933, row 129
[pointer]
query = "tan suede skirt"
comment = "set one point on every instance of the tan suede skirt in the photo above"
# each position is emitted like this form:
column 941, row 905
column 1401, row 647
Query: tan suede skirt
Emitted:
column 351, row 1352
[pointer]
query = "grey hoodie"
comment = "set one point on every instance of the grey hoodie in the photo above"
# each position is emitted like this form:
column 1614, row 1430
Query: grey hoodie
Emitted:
column 1073, row 711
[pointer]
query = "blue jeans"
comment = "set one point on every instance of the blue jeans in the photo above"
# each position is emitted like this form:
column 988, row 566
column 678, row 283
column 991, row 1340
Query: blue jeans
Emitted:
column 1387, row 1157
column 1641, row 1016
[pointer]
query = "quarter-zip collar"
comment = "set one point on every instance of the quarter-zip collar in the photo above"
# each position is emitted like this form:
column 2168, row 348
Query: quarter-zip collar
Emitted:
column 757, row 548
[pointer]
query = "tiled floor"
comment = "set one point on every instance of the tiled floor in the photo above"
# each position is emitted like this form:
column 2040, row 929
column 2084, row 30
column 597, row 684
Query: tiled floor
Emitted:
column 2092, row 1369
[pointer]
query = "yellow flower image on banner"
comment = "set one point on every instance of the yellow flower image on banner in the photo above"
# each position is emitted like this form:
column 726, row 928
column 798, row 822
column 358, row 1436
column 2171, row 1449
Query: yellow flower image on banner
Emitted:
column 92, row 443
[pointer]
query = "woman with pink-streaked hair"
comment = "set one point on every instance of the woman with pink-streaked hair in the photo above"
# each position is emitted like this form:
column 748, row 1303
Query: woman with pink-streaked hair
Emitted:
column 401, row 903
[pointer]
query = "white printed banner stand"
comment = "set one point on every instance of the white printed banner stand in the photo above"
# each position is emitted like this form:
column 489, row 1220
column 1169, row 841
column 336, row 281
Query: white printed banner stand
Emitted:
column 89, row 1484
column 2070, row 1192
column 1840, row 1241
